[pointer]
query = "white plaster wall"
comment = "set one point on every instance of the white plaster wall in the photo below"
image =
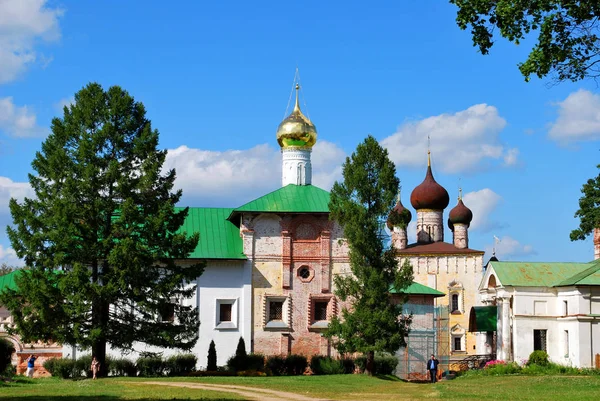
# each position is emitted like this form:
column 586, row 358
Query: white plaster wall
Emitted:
column 220, row 280
column 296, row 167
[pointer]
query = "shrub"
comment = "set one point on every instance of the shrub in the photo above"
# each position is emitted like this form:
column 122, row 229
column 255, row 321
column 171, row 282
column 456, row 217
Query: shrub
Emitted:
column 6, row 351
column 295, row 364
column 255, row 362
column 384, row 364
column 490, row 364
column 349, row 366
column 212, row 357
column 150, row 366
column 276, row 365
column 82, row 366
column 63, row 368
column 203, row 373
column 322, row 365
column 181, row 365
column 10, row 371
column 239, row 360
column 121, row 367
column 538, row 358
column 251, row 373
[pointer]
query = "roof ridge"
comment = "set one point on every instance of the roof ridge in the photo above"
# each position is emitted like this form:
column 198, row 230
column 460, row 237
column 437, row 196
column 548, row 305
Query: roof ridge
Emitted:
column 579, row 276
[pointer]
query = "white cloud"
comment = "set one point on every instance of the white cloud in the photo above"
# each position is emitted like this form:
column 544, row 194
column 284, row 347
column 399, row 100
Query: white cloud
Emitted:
column 19, row 121
column 233, row 177
column 578, row 118
column 11, row 189
column 508, row 248
column 22, row 24
column 9, row 256
column 62, row 103
column 482, row 203
column 459, row 141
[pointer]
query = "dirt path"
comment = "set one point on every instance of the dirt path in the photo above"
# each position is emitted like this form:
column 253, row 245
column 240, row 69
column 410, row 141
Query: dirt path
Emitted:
column 254, row 393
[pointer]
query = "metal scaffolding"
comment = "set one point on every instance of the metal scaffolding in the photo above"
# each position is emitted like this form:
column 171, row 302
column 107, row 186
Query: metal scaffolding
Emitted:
column 428, row 335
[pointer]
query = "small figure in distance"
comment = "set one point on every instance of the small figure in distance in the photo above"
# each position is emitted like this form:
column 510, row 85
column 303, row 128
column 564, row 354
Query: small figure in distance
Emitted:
column 432, row 367
column 30, row 365
column 95, row 367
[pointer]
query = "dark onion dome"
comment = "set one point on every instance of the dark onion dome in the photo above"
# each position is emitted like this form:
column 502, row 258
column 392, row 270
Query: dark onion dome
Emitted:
column 429, row 194
column 460, row 214
column 403, row 216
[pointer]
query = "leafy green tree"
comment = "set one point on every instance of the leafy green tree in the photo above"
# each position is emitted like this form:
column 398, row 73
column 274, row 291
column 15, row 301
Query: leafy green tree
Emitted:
column 101, row 235
column 361, row 204
column 212, row 357
column 589, row 209
column 567, row 44
column 6, row 351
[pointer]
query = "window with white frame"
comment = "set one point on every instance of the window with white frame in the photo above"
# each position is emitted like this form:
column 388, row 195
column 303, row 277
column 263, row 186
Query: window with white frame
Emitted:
column 321, row 308
column 226, row 314
column 458, row 335
column 539, row 340
column 277, row 312
column 457, row 343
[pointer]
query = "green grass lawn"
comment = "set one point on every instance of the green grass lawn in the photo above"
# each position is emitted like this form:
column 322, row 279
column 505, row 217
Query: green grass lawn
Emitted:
column 342, row 387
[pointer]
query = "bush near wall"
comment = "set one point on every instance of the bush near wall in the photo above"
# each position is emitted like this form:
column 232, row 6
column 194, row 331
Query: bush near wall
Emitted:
column 384, row 364
column 238, row 363
column 181, row 365
column 121, row 367
column 6, row 351
column 291, row 365
column 150, row 366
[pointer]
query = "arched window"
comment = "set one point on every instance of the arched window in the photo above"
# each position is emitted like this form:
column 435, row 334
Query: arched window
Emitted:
column 492, row 281
column 454, row 303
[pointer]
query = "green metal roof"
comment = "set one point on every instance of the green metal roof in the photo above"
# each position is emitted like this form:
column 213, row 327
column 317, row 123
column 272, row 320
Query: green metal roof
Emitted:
column 483, row 318
column 542, row 274
column 418, row 289
column 8, row 281
column 290, row 199
column 219, row 238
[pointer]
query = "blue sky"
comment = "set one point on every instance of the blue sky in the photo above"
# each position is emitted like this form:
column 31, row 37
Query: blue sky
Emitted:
column 216, row 77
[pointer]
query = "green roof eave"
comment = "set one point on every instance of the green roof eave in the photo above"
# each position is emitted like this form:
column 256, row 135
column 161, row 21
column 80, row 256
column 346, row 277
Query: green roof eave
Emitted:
column 289, row 199
column 219, row 238
column 8, row 281
column 589, row 276
column 483, row 318
column 417, row 289
column 537, row 274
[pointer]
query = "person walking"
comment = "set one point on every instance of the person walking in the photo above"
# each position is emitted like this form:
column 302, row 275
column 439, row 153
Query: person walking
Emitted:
column 95, row 367
column 30, row 365
column 432, row 367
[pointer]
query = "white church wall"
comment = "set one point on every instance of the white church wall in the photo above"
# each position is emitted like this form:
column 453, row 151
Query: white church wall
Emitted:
column 221, row 282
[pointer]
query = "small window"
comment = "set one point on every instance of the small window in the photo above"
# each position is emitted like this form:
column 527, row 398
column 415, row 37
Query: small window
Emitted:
column 276, row 310
column 304, row 272
column 320, row 311
column 566, row 308
column 225, row 313
column 167, row 313
column 566, row 343
column 454, row 306
column 539, row 340
column 457, row 344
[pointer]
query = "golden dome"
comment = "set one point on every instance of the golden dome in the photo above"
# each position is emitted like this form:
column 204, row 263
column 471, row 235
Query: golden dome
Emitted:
column 296, row 130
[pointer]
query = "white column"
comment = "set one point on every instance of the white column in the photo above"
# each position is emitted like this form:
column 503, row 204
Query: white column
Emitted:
column 504, row 343
column 296, row 167
column 430, row 225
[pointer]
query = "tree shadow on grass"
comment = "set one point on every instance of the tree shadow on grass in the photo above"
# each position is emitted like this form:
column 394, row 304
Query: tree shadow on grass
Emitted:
column 99, row 398
column 390, row 378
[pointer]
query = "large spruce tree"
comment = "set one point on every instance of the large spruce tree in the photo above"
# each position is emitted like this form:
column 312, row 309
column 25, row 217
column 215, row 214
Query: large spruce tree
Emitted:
column 361, row 204
column 101, row 237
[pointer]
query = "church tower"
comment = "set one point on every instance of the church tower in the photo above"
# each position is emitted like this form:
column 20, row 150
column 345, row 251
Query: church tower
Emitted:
column 296, row 135
column 397, row 222
column 429, row 199
column 459, row 221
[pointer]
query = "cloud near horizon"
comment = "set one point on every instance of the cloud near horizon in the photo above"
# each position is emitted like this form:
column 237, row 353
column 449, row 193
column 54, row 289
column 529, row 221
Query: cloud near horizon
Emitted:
column 459, row 142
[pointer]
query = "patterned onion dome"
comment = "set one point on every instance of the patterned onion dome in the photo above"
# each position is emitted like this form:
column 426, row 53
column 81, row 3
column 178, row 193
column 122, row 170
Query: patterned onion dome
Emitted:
column 404, row 215
column 429, row 194
column 460, row 214
column 296, row 130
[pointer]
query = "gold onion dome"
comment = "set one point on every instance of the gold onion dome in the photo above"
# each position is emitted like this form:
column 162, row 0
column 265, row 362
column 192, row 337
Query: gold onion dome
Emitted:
column 296, row 130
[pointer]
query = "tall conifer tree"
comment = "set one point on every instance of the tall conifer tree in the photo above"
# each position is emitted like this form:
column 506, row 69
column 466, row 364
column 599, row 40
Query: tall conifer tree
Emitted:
column 361, row 204
column 101, row 234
